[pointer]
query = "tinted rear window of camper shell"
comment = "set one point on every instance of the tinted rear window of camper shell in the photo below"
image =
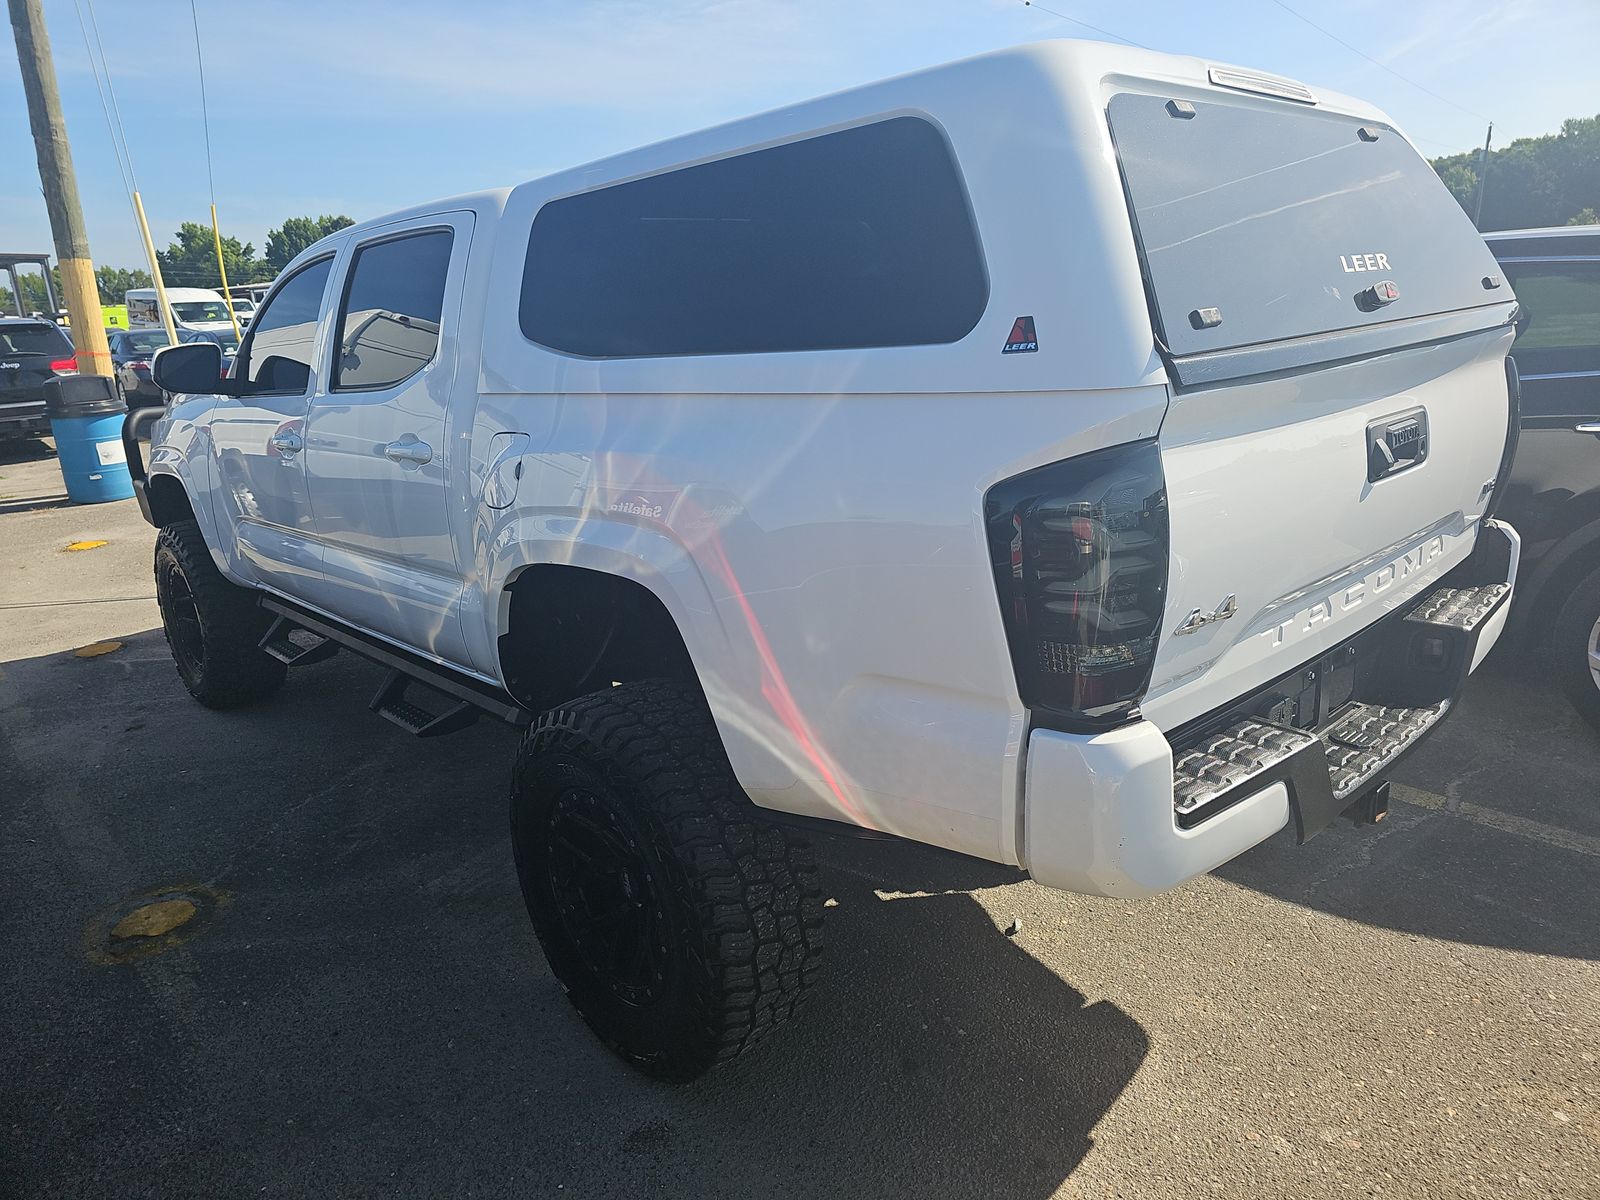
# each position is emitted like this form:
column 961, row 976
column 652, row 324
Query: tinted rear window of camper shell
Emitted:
column 1280, row 218
column 853, row 239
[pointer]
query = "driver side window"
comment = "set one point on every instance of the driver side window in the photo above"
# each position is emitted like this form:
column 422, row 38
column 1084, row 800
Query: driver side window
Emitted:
column 276, row 355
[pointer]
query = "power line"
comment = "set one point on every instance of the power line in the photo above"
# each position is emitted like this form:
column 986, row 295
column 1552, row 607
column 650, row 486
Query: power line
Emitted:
column 205, row 115
column 1382, row 65
column 123, row 168
column 1085, row 24
column 115, row 107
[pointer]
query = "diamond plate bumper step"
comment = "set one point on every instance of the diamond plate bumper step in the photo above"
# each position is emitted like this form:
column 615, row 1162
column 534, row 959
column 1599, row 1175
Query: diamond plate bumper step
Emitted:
column 1459, row 608
column 1411, row 669
column 1365, row 738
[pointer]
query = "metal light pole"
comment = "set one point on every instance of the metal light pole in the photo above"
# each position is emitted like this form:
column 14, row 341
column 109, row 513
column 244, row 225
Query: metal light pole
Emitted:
column 60, row 187
column 1483, row 174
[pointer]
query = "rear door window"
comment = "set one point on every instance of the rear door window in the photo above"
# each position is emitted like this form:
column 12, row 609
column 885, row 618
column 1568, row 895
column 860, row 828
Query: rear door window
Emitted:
column 389, row 321
column 1263, row 222
column 1558, row 331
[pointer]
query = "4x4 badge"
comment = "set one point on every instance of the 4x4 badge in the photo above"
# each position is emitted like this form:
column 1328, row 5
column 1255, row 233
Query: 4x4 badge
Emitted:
column 1023, row 339
column 1197, row 620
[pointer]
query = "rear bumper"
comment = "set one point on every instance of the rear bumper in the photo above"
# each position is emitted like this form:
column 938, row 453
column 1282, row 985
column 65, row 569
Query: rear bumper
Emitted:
column 1128, row 813
column 25, row 419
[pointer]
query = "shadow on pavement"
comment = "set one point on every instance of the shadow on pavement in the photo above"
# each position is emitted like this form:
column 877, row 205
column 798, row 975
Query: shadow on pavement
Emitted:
column 1499, row 844
column 18, row 451
column 366, row 1011
column 22, row 450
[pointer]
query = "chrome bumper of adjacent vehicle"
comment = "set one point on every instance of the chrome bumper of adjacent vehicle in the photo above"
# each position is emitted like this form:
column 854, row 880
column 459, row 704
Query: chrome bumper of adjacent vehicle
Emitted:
column 1122, row 814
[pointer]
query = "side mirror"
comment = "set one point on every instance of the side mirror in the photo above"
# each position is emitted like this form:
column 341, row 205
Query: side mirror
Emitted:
column 193, row 367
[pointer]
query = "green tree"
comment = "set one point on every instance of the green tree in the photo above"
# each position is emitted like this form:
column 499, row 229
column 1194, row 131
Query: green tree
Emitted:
column 295, row 234
column 1587, row 217
column 191, row 260
column 1535, row 181
column 33, row 297
column 115, row 281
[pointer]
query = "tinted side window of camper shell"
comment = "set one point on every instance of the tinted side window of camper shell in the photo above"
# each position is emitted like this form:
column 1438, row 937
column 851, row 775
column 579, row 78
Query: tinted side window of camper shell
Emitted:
column 853, row 239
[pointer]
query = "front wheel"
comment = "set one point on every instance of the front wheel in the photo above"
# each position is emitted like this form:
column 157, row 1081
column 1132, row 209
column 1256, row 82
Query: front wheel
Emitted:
column 681, row 922
column 1575, row 644
column 213, row 627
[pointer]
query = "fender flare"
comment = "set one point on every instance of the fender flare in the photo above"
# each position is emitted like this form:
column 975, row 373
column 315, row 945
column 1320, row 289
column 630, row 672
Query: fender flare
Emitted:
column 725, row 659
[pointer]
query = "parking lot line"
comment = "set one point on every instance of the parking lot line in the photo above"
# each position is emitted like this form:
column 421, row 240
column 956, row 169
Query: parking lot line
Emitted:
column 1552, row 835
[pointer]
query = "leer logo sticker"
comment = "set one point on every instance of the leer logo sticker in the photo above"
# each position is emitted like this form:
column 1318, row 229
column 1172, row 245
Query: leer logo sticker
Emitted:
column 1023, row 339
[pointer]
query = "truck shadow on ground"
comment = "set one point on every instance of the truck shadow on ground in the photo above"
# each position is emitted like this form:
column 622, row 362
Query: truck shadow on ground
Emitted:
column 368, row 1012
column 1497, row 845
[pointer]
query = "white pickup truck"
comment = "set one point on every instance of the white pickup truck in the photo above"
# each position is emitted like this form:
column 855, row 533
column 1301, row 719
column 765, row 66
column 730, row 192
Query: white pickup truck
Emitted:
column 1076, row 457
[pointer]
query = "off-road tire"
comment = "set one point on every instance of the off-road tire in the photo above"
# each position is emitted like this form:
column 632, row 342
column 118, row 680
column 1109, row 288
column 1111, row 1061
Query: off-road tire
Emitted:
column 213, row 627
column 724, row 902
column 1570, row 644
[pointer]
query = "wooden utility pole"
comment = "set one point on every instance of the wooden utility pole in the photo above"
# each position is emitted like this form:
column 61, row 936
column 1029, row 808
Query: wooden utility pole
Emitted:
column 60, row 187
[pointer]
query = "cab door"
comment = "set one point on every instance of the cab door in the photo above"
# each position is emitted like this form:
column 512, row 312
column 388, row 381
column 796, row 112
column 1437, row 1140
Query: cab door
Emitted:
column 258, row 438
column 377, row 450
column 1554, row 490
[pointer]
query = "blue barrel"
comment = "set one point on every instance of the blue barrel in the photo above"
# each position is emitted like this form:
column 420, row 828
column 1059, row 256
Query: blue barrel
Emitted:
column 86, row 422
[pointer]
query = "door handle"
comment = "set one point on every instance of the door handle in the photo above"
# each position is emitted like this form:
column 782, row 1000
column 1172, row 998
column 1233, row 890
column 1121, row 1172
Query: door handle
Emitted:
column 408, row 452
column 1588, row 427
column 287, row 441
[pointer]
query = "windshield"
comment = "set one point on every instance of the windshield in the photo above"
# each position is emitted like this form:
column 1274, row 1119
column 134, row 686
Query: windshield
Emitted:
column 33, row 339
column 1258, row 223
column 200, row 310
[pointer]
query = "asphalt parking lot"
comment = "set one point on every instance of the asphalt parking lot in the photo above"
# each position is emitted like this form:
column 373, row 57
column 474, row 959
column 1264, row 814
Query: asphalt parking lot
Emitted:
column 358, row 1006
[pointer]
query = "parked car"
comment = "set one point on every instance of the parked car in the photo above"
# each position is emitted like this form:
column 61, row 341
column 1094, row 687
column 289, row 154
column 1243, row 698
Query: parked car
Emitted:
column 1553, row 494
column 223, row 338
column 1074, row 457
column 31, row 352
column 131, row 352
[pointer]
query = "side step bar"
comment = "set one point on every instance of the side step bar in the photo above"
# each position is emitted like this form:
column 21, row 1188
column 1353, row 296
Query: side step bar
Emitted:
column 298, row 637
column 280, row 642
column 391, row 703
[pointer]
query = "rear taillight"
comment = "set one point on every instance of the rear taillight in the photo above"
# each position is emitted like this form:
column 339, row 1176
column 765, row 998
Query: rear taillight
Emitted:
column 139, row 364
column 65, row 366
column 1080, row 559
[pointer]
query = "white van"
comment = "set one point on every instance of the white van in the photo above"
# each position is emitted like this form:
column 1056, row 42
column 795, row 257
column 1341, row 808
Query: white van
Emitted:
column 199, row 309
column 1076, row 457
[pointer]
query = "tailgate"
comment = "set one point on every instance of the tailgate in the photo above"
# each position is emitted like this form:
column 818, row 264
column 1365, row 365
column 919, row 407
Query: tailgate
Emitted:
column 1335, row 330
column 1270, row 503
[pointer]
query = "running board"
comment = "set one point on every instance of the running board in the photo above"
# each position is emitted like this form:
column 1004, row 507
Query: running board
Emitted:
column 466, row 698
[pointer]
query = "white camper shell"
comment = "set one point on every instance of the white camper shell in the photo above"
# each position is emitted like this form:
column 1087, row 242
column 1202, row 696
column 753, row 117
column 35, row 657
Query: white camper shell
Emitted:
column 1077, row 457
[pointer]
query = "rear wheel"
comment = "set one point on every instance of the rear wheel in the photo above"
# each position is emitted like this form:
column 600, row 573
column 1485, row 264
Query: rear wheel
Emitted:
column 1575, row 644
column 213, row 627
column 682, row 924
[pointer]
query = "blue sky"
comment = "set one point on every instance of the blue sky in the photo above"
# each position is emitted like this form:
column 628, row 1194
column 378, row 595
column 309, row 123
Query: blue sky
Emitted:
column 359, row 107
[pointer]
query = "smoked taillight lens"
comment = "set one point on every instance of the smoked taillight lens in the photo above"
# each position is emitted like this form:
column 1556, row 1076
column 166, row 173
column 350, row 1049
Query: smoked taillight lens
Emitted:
column 1079, row 549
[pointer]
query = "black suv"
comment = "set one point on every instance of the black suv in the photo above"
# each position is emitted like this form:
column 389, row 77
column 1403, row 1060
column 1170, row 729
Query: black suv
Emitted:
column 31, row 351
column 1553, row 497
